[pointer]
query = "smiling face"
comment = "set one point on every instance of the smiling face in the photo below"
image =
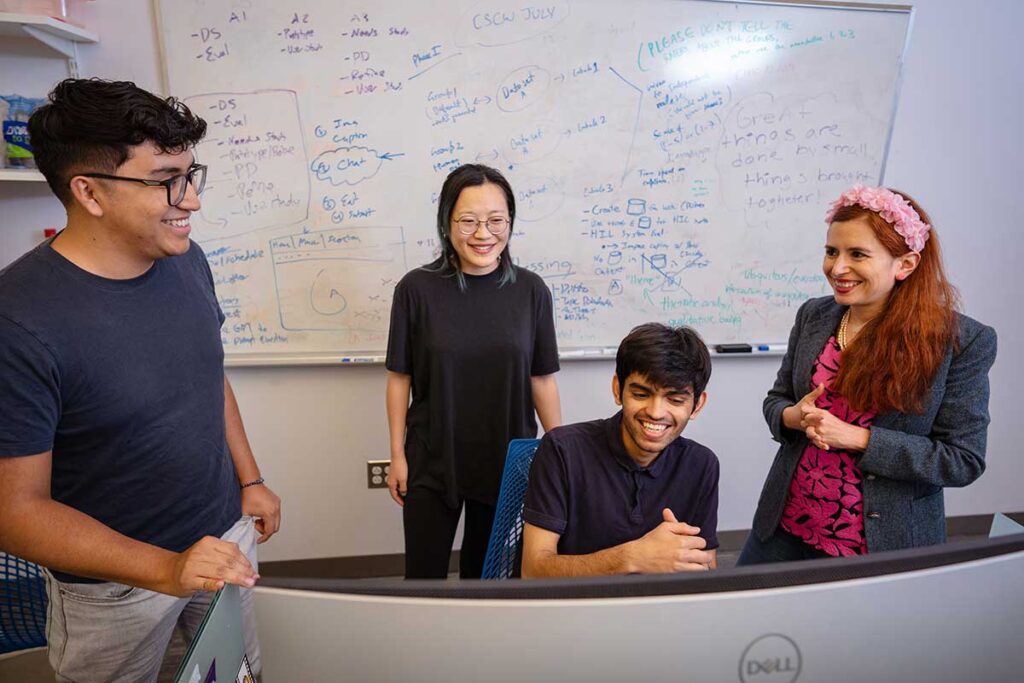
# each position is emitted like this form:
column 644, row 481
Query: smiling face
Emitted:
column 653, row 416
column 480, row 252
column 860, row 269
column 136, row 219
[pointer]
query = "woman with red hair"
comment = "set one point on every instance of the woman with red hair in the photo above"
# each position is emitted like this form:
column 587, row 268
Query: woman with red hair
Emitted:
column 882, row 397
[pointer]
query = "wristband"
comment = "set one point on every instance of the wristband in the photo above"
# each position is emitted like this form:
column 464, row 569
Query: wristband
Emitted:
column 254, row 482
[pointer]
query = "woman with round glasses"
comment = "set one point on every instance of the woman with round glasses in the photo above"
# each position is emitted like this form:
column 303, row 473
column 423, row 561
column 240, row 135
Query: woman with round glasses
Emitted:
column 882, row 397
column 473, row 340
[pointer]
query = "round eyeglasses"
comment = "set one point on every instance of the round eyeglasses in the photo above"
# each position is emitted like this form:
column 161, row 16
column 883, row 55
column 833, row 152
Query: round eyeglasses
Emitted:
column 495, row 225
column 177, row 186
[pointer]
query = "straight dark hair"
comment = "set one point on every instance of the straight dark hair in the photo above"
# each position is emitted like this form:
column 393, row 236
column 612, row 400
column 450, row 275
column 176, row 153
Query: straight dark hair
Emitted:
column 671, row 358
column 90, row 125
column 470, row 175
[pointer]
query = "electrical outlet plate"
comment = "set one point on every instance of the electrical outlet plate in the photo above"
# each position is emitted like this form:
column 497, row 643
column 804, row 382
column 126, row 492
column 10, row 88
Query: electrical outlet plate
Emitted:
column 377, row 474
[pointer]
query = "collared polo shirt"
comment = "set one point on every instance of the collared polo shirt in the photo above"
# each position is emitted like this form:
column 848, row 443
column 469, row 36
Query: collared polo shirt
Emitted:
column 585, row 487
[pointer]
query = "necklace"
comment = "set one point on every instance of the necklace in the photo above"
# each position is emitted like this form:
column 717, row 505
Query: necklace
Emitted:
column 841, row 336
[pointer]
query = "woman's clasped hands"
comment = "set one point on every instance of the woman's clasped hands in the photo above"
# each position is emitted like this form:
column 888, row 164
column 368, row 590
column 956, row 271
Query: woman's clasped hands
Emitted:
column 825, row 430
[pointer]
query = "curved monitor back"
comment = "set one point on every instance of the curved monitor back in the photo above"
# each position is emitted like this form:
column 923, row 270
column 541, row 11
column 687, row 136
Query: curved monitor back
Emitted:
column 947, row 613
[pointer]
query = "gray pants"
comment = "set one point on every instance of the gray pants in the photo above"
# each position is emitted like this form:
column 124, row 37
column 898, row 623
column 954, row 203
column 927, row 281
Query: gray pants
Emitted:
column 112, row 632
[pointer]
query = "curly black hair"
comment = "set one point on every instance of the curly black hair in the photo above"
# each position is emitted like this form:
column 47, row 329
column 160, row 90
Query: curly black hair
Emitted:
column 90, row 125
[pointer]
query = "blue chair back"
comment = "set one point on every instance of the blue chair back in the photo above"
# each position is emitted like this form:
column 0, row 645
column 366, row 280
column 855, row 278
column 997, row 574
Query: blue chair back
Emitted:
column 22, row 604
column 504, row 551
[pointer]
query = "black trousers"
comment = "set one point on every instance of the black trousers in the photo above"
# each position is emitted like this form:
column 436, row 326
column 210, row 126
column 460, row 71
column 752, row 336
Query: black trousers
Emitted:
column 430, row 531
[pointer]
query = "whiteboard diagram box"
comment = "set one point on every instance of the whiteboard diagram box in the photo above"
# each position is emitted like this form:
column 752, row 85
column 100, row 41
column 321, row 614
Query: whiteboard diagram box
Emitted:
column 339, row 280
column 254, row 148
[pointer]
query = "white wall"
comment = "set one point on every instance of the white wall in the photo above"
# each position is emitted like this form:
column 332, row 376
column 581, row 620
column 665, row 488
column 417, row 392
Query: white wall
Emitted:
column 956, row 148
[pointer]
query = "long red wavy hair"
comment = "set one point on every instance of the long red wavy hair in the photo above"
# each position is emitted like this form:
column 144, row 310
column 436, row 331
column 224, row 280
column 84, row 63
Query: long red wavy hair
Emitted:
column 893, row 360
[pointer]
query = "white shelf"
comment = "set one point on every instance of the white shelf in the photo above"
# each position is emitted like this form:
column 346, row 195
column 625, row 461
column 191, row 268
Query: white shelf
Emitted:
column 21, row 175
column 16, row 25
column 57, row 35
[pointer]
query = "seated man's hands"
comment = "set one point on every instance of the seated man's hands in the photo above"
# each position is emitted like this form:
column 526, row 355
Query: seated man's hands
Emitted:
column 672, row 546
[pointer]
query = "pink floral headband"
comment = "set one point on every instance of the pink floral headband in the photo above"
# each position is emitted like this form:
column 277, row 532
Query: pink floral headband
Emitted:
column 890, row 206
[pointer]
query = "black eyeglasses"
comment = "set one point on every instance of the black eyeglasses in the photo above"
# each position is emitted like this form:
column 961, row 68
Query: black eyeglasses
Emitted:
column 176, row 186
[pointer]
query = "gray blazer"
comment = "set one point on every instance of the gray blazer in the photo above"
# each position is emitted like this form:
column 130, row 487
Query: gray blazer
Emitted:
column 909, row 458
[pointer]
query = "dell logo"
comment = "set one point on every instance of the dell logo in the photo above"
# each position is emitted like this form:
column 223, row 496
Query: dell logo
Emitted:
column 770, row 666
column 772, row 658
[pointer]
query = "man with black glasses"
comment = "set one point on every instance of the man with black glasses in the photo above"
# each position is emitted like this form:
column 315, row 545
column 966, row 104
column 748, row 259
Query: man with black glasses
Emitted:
column 124, row 466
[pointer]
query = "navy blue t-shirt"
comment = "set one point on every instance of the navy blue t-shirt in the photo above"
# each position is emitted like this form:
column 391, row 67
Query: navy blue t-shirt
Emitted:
column 124, row 381
column 585, row 487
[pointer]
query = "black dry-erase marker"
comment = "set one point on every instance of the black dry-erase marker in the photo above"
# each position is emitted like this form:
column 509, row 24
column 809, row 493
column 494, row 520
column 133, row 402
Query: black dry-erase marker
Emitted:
column 733, row 348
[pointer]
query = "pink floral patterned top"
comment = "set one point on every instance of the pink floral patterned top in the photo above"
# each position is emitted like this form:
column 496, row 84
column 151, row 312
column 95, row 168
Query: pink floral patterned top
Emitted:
column 825, row 507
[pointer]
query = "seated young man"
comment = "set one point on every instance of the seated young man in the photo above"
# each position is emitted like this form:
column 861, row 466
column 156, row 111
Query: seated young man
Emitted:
column 628, row 494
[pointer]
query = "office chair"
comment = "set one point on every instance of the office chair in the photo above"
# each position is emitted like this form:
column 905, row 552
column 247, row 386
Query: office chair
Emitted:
column 504, row 551
column 22, row 604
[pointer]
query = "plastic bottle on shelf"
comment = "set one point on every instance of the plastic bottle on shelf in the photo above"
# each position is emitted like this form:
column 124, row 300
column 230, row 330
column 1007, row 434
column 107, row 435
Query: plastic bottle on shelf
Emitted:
column 19, row 150
column 4, row 109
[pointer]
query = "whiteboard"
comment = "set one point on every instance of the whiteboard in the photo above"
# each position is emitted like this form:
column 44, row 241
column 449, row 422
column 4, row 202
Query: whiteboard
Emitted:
column 672, row 160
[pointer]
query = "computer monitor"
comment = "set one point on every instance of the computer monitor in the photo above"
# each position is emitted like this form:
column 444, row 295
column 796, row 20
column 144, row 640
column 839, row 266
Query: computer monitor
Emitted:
column 217, row 653
column 946, row 613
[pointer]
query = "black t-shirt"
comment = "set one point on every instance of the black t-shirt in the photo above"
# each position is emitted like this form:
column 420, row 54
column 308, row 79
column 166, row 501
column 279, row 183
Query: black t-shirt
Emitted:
column 585, row 487
column 471, row 355
column 124, row 381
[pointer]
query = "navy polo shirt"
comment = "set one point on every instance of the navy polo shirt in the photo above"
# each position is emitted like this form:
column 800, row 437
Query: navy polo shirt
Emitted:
column 585, row 487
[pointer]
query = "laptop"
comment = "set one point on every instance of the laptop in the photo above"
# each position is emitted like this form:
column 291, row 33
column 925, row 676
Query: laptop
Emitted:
column 217, row 653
